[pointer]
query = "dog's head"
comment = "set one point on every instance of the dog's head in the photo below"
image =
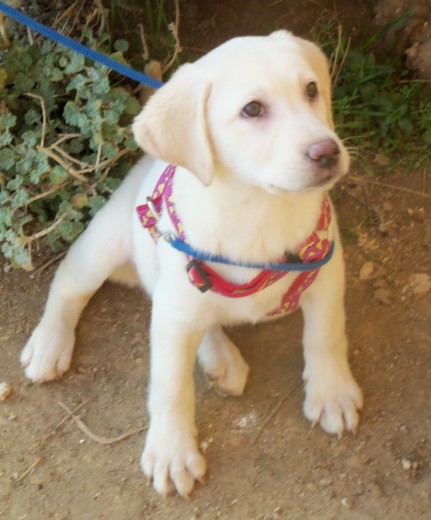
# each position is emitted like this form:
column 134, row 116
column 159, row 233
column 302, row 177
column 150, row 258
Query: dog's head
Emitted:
column 257, row 108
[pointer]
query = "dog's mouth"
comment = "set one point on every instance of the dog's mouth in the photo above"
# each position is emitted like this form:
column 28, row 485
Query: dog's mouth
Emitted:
column 323, row 181
column 326, row 179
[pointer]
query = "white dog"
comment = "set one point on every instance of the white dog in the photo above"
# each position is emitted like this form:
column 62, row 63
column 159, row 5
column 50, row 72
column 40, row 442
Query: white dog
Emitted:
column 250, row 132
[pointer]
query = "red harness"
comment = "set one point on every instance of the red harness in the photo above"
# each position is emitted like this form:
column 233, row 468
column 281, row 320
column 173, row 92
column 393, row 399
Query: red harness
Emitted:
column 315, row 248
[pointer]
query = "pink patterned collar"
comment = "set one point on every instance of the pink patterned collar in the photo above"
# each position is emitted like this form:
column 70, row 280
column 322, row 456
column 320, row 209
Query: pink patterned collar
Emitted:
column 204, row 277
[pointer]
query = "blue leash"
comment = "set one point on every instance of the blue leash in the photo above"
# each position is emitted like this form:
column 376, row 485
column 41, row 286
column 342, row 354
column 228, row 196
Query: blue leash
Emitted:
column 78, row 47
column 300, row 266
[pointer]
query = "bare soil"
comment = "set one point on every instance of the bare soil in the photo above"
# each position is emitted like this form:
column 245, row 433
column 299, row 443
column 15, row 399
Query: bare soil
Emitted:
column 265, row 462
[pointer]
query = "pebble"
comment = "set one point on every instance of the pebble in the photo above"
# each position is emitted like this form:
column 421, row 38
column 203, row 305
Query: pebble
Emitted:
column 325, row 482
column 347, row 502
column 5, row 390
column 406, row 464
column 420, row 283
column 366, row 271
column 277, row 512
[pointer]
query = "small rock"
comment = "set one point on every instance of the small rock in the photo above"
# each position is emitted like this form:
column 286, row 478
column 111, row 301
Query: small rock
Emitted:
column 366, row 271
column 5, row 390
column 325, row 482
column 420, row 283
column 348, row 502
column 406, row 464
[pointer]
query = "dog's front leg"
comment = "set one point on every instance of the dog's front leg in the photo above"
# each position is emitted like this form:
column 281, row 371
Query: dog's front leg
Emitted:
column 171, row 456
column 333, row 397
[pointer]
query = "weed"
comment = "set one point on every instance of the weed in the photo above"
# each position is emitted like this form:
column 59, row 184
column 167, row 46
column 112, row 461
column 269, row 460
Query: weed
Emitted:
column 156, row 33
column 376, row 106
column 65, row 143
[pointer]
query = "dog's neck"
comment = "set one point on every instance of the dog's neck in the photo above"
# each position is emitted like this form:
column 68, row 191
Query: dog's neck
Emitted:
column 241, row 220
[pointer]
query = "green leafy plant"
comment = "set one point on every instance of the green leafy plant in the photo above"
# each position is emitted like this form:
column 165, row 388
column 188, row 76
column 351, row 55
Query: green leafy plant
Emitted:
column 376, row 105
column 65, row 143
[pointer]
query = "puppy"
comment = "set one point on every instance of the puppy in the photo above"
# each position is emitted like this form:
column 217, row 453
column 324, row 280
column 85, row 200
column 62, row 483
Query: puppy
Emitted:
column 241, row 153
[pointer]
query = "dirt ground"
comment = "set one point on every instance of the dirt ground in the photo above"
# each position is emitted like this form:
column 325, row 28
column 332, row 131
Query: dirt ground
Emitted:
column 265, row 462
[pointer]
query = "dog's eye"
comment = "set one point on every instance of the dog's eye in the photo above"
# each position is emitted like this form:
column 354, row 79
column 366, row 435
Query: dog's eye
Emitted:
column 252, row 109
column 311, row 90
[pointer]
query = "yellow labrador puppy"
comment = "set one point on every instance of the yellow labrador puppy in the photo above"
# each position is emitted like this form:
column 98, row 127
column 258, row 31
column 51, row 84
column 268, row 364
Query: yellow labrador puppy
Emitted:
column 233, row 224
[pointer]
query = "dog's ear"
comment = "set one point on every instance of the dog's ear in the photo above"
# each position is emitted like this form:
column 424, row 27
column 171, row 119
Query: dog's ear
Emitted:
column 173, row 124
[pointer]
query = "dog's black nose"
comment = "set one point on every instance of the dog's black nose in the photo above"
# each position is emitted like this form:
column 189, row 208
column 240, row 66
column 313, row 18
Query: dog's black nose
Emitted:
column 325, row 153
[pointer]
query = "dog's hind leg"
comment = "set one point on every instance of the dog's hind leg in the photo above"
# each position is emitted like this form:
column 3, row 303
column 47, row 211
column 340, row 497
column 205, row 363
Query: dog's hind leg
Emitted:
column 222, row 362
column 98, row 252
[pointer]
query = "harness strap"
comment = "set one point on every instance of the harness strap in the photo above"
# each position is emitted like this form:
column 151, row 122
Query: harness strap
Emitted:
column 290, row 300
column 149, row 213
column 204, row 277
column 316, row 251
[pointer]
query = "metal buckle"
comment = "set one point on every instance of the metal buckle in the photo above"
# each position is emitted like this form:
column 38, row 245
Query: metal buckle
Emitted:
column 206, row 282
column 152, row 208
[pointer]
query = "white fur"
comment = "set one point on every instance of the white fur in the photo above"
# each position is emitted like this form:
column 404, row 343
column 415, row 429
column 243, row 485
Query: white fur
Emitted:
column 244, row 188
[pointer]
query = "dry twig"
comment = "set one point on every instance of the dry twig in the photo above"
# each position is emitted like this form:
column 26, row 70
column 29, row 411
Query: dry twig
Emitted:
column 145, row 49
column 337, row 68
column 43, row 232
column 36, row 274
column 65, row 16
column 44, row 116
column 71, row 171
column 29, row 470
column 3, row 32
column 389, row 186
column 66, row 418
column 174, row 28
column 69, row 157
column 273, row 412
column 42, row 195
column 97, row 438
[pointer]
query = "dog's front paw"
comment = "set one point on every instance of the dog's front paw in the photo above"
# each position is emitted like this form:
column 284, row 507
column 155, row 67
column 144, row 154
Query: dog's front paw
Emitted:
column 332, row 399
column 48, row 352
column 171, row 459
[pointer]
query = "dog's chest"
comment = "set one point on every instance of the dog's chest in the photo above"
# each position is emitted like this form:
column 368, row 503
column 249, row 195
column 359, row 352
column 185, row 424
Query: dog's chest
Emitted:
column 262, row 305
